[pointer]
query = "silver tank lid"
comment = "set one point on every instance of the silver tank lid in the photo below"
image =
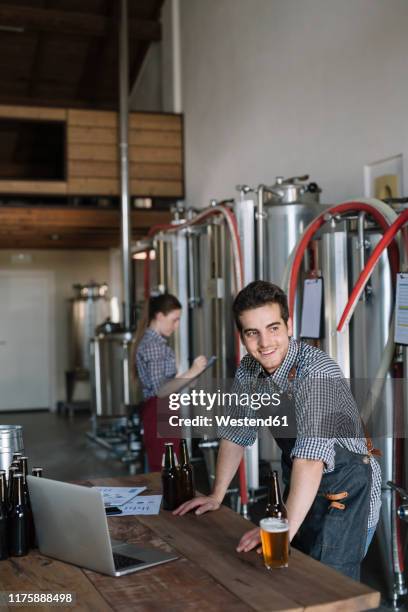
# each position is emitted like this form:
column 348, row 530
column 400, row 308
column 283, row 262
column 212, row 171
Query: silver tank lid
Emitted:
column 293, row 190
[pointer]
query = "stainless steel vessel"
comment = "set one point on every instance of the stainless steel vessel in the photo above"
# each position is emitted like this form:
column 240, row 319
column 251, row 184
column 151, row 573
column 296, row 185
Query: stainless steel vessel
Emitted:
column 89, row 308
column 281, row 212
column 11, row 441
column 114, row 389
column 289, row 206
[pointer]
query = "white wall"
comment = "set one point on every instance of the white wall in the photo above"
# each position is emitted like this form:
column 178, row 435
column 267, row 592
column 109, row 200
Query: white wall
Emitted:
column 292, row 86
column 67, row 267
column 146, row 93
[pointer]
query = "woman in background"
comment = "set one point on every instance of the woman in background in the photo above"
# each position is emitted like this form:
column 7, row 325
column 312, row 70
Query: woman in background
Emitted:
column 156, row 366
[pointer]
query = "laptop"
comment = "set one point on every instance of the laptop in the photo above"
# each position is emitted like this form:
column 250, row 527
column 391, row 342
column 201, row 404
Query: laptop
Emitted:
column 71, row 525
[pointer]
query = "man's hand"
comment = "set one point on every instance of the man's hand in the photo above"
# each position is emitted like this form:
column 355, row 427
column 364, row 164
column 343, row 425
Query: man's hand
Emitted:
column 249, row 540
column 202, row 504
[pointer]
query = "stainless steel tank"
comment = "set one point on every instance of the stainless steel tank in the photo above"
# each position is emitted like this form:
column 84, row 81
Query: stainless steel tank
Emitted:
column 89, row 308
column 345, row 246
column 11, row 441
column 114, row 388
column 287, row 208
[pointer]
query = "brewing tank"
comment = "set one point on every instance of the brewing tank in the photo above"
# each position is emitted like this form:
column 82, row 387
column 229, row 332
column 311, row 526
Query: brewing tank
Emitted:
column 114, row 388
column 290, row 205
column 89, row 308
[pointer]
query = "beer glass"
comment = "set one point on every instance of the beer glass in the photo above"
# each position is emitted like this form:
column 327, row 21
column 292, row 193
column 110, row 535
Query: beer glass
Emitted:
column 275, row 542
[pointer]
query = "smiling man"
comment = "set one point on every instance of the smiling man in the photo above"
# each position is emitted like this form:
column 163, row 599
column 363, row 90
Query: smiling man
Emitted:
column 333, row 484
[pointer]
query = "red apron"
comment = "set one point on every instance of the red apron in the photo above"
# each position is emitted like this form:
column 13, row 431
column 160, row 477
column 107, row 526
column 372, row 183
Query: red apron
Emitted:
column 154, row 446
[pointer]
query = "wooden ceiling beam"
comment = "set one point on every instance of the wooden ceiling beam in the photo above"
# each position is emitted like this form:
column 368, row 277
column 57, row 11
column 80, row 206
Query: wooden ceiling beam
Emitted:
column 39, row 218
column 70, row 228
column 72, row 23
column 18, row 99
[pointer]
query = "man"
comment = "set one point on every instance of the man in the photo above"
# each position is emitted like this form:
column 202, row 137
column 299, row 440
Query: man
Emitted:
column 333, row 482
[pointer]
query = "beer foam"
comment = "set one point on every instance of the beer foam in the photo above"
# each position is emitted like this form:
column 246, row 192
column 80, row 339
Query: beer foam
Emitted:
column 274, row 525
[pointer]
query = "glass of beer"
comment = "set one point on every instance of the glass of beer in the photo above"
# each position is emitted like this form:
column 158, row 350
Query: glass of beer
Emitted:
column 275, row 542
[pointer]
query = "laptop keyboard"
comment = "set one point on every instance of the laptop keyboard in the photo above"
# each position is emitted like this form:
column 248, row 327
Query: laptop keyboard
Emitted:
column 122, row 561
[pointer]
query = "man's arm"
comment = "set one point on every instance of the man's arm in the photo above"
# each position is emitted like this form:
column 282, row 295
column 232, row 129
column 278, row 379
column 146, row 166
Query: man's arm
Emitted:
column 229, row 458
column 304, row 484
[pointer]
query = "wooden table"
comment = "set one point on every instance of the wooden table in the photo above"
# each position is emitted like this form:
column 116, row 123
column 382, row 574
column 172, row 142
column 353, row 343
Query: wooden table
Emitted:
column 209, row 575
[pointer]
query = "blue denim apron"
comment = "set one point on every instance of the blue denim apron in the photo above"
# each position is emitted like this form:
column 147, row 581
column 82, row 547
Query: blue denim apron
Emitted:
column 335, row 528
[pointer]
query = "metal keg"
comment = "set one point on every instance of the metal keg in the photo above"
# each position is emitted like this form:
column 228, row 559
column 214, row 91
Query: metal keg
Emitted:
column 88, row 309
column 113, row 382
column 11, row 441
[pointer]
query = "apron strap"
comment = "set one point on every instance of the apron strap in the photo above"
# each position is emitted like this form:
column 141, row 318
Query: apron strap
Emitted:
column 336, row 496
column 369, row 442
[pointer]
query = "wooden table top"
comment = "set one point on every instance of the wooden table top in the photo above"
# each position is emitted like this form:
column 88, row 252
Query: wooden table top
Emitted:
column 209, row 575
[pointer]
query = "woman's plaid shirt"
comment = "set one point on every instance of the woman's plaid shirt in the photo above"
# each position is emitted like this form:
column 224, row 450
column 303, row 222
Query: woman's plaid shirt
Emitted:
column 155, row 362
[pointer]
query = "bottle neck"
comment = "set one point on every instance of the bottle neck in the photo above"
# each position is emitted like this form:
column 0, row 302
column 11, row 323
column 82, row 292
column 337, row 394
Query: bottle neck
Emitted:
column 184, row 457
column 274, row 495
column 18, row 495
column 169, row 461
column 3, row 490
column 24, row 466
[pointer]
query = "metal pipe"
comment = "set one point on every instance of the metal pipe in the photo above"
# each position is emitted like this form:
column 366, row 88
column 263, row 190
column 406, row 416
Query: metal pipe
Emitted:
column 260, row 233
column 124, row 161
column 361, row 240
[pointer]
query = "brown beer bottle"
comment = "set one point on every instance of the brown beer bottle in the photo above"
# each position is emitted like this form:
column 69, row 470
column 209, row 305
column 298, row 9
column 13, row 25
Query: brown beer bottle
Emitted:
column 3, row 516
column 170, row 479
column 18, row 520
column 31, row 529
column 275, row 507
column 186, row 474
column 10, row 485
column 37, row 471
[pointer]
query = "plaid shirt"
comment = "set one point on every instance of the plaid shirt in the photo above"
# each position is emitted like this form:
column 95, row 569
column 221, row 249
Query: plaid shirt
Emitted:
column 326, row 412
column 155, row 362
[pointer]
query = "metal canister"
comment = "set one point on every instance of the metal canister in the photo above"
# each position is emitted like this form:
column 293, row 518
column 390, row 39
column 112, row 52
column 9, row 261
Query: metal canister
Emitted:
column 290, row 205
column 11, row 441
column 89, row 308
column 113, row 382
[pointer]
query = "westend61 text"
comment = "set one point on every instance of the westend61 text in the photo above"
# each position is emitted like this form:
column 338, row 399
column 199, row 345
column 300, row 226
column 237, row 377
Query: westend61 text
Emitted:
column 208, row 401
column 228, row 421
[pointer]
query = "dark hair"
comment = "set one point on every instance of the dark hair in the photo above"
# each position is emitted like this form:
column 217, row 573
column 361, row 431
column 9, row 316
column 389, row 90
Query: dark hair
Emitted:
column 164, row 303
column 258, row 294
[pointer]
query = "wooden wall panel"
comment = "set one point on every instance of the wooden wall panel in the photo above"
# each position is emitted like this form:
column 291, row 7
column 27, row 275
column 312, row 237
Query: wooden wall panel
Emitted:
column 89, row 118
column 155, row 153
column 155, row 121
column 34, row 187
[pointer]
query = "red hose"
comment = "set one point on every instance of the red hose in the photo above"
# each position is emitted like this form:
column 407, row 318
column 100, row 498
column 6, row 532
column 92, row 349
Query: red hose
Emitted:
column 368, row 269
column 317, row 223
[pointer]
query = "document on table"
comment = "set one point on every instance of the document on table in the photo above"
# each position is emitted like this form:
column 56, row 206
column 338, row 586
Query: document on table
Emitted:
column 118, row 496
column 401, row 310
column 144, row 504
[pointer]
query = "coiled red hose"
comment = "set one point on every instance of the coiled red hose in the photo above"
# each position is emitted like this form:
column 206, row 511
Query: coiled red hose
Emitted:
column 312, row 228
column 369, row 267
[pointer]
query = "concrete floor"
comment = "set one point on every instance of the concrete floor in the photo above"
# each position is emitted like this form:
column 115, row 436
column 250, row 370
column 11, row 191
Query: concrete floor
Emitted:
column 60, row 446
